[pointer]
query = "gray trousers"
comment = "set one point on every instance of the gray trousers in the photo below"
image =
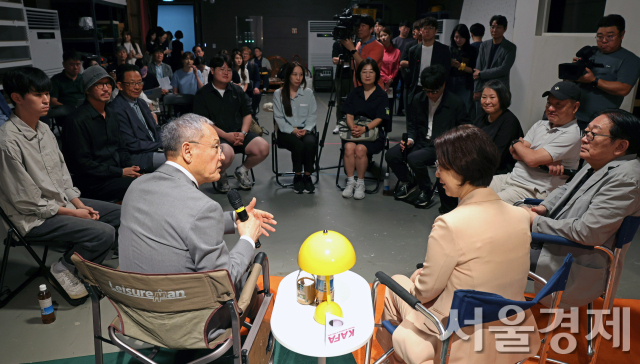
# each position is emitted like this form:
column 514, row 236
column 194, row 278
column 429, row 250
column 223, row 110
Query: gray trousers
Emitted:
column 90, row 238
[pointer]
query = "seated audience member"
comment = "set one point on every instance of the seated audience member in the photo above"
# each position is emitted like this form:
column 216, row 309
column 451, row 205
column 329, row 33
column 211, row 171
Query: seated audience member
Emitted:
column 482, row 245
column 5, row 110
column 98, row 160
column 605, row 87
column 36, row 191
column 133, row 50
column 294, row 109
column 158, row 69
column 463, row 61
column 434, row 110
column 89, row 62
column 240, row 69
column 590, row 208
column 230, row 110
column 201, row 65
column 188, row 79
column 390, row 61
column 371, row 102
column 499, row 122
column 188, row 237
column 477, row 32
column 367, row 48
column 148, row 82
column 139, row 130
column 254, row 75
column 121, row 58
column 66, row 86
column 548, row 142
column 263, row 66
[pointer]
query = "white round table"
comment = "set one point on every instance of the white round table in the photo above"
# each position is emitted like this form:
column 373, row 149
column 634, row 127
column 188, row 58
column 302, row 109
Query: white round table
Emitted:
column 293, row 325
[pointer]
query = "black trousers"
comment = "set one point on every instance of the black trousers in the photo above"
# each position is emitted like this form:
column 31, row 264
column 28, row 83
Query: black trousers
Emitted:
column 303, row 150
column 90, row 238
column 418, row 159
column 109, row 189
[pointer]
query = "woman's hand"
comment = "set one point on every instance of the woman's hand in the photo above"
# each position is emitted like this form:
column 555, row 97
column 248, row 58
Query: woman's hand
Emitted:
column 455, row 63
column 357, row 131
column 302, row 132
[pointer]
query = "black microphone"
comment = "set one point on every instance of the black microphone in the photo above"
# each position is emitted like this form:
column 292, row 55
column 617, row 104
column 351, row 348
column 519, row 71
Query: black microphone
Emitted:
column 236, row 203
column 567, row 172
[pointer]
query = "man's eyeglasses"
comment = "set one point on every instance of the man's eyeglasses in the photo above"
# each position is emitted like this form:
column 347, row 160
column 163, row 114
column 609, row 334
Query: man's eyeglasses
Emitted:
column 211, row 145
column 433, row 92
column 133, row 84
column 591, row 135
column 609, row 38
column 102, row 85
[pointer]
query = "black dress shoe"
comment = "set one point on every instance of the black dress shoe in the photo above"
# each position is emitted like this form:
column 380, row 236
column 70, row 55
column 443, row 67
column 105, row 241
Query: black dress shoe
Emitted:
column 403, row 190
column 425, row 199
column 298, row 184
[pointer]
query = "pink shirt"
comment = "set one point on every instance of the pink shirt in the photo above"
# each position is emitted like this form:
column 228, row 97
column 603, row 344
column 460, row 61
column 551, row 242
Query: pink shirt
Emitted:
column 390, row 64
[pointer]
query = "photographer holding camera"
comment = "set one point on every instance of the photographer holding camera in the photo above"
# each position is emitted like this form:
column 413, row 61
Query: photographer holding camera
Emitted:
column 367, row 47
column 605, row 87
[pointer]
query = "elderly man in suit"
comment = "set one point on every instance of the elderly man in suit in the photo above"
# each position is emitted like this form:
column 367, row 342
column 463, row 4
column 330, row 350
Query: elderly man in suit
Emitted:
column 139, row 130
column 169, row 226
column 433, row 111
column 495, row 59
column 590, row 209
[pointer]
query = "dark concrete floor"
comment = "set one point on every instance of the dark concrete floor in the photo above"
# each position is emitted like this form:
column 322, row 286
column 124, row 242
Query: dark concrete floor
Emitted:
column 387, row 236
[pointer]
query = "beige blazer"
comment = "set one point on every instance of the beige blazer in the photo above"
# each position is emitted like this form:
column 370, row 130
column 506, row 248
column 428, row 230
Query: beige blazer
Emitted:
column 482, row 245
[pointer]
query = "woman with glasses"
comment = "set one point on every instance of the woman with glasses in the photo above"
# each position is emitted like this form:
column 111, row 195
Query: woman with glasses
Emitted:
column 188, row 79
column 367, row 110
column 294, row 110
column 502, row 126
column 482, row 245
column 463, row 61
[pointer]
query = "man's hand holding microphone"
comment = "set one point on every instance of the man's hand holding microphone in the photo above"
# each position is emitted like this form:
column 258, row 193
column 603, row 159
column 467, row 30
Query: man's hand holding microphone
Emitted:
column 251, row 221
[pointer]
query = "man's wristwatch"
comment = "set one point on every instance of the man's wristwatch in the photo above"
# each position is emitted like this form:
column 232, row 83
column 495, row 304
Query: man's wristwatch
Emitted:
column 594, row 83
column 243, row 132
column 515, row 141
column 352, row 52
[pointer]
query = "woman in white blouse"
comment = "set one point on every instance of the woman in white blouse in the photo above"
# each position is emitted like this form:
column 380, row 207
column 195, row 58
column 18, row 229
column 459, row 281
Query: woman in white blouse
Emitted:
column 241, row 70
column 294, row 110
column 133, row 50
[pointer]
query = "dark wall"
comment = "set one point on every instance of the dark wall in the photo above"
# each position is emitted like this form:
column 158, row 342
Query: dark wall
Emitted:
column 279, row 17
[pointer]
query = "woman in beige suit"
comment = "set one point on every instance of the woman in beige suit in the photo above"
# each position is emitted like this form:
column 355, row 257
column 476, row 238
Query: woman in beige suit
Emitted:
column 482, row 245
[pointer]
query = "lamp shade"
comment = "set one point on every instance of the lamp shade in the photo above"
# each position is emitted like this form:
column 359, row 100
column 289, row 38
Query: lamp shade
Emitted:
column 326, row 253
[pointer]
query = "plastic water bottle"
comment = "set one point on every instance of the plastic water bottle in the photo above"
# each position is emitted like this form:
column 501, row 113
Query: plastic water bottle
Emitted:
column 46, row 305
column 386, row 191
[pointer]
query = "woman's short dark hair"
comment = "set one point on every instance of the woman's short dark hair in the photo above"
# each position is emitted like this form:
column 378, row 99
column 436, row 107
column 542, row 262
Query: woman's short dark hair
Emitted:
column 504, row 95
column 179, row 34
column 186, row 55
column 169, row 35
column 612, row 20
column 220, row 61
column 500, row 20
column 122, row 69
column 625, row 126
column 286, row 86
column 22, row 80
column 374, row 66
column 469, row 152
column 433, row 77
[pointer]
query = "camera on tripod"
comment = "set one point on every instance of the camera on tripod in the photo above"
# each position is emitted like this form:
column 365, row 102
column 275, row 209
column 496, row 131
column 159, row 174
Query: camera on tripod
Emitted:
column 347, row 25
column 573, row 71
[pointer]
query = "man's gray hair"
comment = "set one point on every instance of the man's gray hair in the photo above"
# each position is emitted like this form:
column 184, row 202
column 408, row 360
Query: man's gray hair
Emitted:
column 186, row 128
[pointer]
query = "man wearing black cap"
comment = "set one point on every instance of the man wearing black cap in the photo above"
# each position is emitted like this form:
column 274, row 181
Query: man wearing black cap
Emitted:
column 549, row 142
column 367, row 47
column 97, row 157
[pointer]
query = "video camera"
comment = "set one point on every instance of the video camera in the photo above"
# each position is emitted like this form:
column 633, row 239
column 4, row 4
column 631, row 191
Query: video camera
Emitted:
column 573, row 71
column 347, row 25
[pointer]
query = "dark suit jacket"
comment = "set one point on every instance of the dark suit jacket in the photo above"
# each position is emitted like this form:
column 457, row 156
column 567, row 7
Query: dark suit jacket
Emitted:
column 134, row 135
column 440, row 55
column 450, row 113
column 500, row 67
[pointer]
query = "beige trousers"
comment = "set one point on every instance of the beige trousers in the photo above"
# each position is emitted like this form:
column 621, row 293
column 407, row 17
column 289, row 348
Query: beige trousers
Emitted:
column 511, row 191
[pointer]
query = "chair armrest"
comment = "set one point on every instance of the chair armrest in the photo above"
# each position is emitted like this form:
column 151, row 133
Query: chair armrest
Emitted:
column 557, row 240
column 398, row 289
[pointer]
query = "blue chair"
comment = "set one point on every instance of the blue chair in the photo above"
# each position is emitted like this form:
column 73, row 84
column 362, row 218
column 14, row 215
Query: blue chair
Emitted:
column 464, row 303
column 625, row 234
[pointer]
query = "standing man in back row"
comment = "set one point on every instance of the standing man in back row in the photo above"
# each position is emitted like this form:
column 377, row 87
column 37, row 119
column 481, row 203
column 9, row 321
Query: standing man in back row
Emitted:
column 403, row 42
column 605, row 87
column 366, row 48
column 495, row 59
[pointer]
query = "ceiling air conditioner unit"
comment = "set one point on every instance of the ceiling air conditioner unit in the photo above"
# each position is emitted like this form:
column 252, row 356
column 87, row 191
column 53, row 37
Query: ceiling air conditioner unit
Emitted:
column 445, row 27
column 320, row 44
column 44, row 40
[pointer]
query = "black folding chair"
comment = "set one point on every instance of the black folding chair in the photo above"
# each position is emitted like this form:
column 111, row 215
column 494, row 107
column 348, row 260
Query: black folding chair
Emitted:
column 14, row 239
column 274, row 158
column 173, row 103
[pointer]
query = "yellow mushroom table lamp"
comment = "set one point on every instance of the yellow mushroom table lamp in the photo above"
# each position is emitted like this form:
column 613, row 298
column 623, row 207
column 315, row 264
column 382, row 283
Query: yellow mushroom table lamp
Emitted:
column 326, row 253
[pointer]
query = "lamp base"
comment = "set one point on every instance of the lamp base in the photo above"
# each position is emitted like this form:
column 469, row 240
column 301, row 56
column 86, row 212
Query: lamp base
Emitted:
column 327, row 306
